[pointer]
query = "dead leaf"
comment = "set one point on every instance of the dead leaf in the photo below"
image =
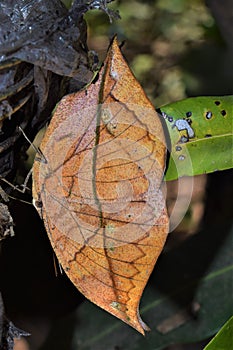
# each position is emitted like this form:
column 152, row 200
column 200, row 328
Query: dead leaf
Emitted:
column 6, row 222
column 98, row 189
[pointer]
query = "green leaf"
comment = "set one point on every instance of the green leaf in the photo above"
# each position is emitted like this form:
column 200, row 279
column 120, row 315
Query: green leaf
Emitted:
column 201, row 135
column 200, row 271
column 223, row 339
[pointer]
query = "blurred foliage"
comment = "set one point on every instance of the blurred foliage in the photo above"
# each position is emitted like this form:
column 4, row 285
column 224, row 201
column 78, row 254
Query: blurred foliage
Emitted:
column 173, row 46
column 67, row 3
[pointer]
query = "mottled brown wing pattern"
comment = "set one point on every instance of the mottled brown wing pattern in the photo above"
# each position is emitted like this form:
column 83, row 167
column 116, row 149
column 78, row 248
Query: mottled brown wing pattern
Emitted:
column 99, row 190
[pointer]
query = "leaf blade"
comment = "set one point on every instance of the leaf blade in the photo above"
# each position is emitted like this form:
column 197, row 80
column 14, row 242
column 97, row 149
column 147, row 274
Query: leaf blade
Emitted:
column 205, row 143
column 223, row 340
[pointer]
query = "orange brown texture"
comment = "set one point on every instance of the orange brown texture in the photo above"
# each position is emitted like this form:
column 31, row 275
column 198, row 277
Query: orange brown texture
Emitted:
column 97, row 188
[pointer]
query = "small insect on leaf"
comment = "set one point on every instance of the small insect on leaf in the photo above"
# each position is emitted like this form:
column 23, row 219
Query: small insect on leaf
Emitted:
column 100, row 189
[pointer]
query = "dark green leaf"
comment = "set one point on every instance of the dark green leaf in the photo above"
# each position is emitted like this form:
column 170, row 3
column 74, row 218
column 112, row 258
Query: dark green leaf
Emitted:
column 201, row 133
column 223, row 339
